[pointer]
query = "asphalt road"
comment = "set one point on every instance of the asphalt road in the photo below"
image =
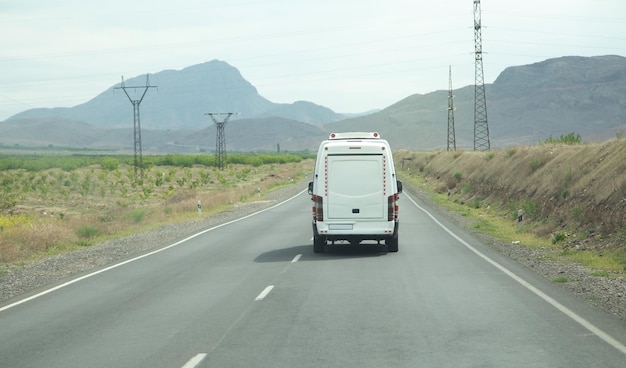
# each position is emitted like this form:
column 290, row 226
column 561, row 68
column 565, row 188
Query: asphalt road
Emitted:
column 253, row 294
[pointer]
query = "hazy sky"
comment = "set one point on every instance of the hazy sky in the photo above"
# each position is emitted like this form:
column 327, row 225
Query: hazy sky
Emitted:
column 350, row 56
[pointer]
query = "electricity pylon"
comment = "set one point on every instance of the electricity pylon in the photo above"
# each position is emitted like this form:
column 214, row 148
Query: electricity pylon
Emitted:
column 220, row 144
column 136, row 123
column 451, row 133
column 481, row 129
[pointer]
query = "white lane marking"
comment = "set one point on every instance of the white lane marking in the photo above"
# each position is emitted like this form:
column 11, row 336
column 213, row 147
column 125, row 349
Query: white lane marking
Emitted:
column 568, row 312
column 48, row 291
column 264, row 293
column 296, row 258
column 193, row 362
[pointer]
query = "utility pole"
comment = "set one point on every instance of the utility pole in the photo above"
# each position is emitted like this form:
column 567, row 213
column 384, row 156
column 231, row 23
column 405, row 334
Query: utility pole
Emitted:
column 137, row 125
column 481, row 129
column 220, row 145
column 451, row 133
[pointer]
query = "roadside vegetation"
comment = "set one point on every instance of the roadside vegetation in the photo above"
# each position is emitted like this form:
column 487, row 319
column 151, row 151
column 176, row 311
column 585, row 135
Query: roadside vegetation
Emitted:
column 57, row 203
column 572, row 196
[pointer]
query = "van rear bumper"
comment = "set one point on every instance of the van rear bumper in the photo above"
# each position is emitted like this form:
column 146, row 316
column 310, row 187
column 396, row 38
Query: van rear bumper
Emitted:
column 355, row 232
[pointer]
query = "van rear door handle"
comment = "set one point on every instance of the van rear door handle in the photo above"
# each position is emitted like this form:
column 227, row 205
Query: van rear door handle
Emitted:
column 356, row 210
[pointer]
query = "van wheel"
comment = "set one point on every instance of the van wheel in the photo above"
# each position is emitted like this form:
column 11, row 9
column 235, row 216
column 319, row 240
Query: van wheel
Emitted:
column 318, row 244
column 392, row 244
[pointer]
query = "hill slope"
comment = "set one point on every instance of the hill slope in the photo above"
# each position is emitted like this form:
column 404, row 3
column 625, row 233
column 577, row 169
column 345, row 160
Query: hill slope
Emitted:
column 580, row 189
column 525, row 104
column 180, row 99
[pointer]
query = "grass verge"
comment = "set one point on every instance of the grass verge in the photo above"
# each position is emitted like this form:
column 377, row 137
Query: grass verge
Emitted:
column 497, row 223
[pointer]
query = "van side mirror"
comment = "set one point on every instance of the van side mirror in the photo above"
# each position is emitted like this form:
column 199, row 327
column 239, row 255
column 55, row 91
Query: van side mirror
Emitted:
column 310, row 187
column 399, row 186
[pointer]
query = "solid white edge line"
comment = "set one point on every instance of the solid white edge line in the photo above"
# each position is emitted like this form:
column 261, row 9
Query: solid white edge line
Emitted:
column 568, row 312
column 73, row 281
column 296, row 258
column 193, row 362
column 264, row 293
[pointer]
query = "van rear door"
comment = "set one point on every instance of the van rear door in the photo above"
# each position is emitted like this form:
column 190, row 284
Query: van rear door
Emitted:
column 355, row 187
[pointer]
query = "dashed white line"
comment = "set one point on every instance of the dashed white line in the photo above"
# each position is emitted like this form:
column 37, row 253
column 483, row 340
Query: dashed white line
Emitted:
column 193, row 362
column 264, row 293
column 296, row 258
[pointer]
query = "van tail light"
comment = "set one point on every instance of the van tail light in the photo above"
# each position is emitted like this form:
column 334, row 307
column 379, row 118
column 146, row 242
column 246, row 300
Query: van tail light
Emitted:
column 392, row 207
column 318, row 208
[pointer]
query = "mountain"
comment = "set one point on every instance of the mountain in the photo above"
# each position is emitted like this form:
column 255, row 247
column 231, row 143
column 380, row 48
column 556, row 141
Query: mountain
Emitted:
column 525, row 104
column 245, row 135
column 179, row 99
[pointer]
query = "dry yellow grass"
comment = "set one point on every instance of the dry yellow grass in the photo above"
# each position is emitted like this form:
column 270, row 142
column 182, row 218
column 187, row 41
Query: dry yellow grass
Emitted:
column 575, row 194
column 67, row 210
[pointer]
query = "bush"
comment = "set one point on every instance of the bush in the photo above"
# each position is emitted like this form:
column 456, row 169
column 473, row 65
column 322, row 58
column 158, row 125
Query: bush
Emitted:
column 7, row 200
column 530, row 208
column 88, row 232
column 137, row 214
column 536, row 164
column 558, row 237
column 110, row 163
column 571, row 138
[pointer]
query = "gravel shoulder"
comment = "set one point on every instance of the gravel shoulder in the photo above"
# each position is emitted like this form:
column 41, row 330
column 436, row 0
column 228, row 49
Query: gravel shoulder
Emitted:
column 608, row 293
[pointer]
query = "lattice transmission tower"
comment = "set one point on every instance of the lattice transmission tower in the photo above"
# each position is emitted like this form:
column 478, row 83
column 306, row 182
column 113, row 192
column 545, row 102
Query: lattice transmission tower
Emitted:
column 136, row 123
column 481, row 128
column 451, row 133
column 220, row 144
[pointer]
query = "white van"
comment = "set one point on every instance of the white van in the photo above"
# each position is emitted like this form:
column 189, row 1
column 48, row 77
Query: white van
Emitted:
column 355, row 191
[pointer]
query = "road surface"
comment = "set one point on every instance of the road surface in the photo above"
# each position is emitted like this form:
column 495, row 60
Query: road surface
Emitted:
column 252, row 293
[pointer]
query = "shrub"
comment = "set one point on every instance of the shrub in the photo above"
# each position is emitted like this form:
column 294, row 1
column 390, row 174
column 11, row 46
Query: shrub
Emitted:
column 530, row 208
column 570, row 138
column 536, row 164
column 88, row 232
column 558, row 237
column 110, row 163
column 578, row 212
column 451, row 183
column 137, row 214
column 7, row 200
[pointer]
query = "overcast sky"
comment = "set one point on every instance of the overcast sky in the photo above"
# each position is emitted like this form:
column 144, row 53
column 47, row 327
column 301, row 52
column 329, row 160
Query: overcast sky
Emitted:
column 348, row 55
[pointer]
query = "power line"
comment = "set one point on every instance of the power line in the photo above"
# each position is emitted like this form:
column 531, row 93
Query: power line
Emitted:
column 451, row 133
column 136, row 123
column 481, row 129
column 220, row 144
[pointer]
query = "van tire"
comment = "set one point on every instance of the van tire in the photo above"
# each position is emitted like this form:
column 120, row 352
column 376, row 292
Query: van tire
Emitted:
column 318, row 244
column 392, row 244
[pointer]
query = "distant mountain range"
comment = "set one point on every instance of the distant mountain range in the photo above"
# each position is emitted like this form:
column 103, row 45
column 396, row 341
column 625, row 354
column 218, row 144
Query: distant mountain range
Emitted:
column 179, row 100
column 525, row 104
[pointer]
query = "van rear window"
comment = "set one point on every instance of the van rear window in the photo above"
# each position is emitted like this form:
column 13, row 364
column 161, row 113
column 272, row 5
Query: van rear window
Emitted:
column 355, row 175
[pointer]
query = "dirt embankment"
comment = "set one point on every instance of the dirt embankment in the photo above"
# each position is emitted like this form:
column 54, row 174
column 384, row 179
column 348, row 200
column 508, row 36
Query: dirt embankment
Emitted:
column 574, row 189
